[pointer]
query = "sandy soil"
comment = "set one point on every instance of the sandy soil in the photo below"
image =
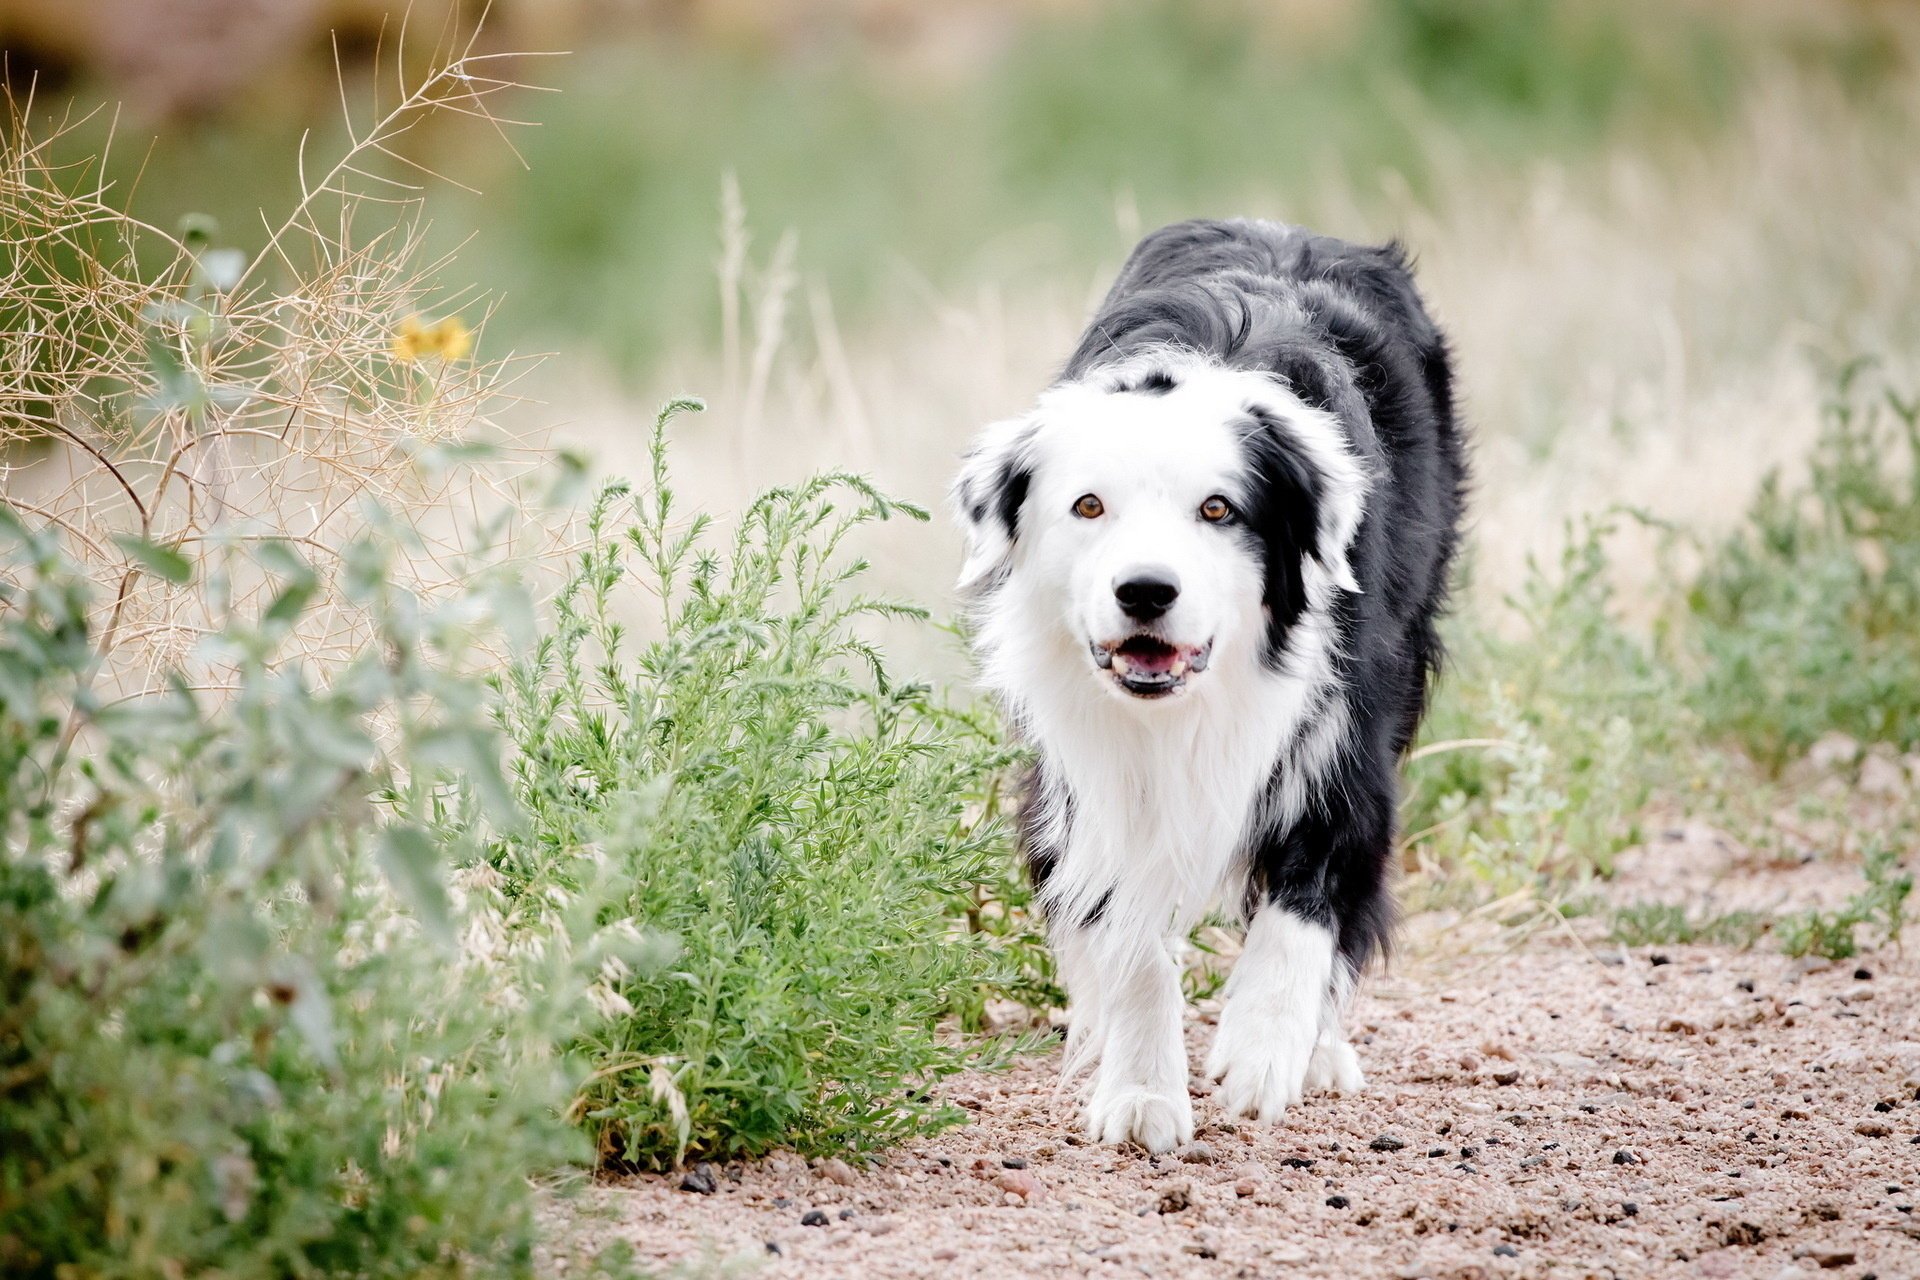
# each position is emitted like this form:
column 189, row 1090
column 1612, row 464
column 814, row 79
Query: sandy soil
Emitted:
column 1553, row 1109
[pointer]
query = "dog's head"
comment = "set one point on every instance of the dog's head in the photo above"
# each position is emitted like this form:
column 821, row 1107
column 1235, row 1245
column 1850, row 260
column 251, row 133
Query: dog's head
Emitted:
column 1161, row 518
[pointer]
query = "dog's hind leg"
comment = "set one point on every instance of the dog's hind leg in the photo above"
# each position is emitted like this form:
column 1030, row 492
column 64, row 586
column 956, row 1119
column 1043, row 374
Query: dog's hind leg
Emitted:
column 1139, row 1089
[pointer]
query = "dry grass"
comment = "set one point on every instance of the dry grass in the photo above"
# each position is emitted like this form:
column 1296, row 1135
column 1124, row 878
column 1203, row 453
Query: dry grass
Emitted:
column 1655, row 324
column 164, row 392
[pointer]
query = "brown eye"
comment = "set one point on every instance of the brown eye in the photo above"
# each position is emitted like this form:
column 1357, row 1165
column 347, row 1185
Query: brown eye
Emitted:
column 1088, row 507
column 1215, row 509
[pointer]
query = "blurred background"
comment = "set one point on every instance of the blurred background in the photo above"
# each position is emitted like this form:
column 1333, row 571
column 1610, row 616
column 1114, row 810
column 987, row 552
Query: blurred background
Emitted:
column 860, row 228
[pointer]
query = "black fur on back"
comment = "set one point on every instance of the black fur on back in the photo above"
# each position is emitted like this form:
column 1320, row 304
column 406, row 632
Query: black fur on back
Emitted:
column 1344, row 327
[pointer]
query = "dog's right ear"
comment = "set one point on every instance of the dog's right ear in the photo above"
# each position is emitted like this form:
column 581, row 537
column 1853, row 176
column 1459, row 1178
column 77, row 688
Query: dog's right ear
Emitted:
column 987, row 497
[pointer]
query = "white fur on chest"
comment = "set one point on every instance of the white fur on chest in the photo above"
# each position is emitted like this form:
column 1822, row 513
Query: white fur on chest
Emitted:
column 1149, row 808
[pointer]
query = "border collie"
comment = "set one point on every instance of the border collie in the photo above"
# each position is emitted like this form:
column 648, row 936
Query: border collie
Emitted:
column 1204, row 573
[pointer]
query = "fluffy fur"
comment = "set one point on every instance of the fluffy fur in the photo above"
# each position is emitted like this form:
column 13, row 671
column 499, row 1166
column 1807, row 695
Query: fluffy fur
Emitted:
column 1205, row 571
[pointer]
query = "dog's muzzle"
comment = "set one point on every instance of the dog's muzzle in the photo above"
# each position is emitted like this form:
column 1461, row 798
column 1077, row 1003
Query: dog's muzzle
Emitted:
column 1149, row 667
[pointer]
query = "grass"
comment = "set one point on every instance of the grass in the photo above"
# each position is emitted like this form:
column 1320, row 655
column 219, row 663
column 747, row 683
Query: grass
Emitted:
column 1652, row 924
column 1028, row 159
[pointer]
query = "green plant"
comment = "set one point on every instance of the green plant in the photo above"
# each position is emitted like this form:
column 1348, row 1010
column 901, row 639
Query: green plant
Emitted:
column 223, row 1050
column 1545, row 743
column 1804, row 620
column 1880, row 906
column 1650, row 924
column 754, row 786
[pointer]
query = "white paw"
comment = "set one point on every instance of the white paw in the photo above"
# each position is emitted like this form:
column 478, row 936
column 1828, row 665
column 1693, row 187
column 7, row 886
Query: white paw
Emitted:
column 1155, row 1120
column 1261, row 1066
column 1335, row 1067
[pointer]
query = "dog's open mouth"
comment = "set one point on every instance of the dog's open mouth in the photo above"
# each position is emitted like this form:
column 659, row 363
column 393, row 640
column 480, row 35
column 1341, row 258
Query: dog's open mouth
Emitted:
column 1149, row 667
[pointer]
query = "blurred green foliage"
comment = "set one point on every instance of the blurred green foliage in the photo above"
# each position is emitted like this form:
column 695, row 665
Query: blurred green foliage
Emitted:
column 1009, row 166
column 1807, row 618
column 222, row 1050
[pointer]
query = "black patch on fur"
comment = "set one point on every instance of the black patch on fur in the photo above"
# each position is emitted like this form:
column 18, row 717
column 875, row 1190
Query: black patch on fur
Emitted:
column 1281, row 514
column 1343, row 327
column 1156, row 382
column 1010, row 490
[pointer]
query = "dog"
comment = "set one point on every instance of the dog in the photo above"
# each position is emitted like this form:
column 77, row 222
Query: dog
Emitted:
column 1203, row 575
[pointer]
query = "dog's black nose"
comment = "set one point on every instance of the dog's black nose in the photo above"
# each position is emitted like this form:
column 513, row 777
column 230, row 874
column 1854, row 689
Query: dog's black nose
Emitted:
column 1145, row 594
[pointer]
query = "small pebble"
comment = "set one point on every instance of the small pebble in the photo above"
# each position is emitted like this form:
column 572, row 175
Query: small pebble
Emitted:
column 813, row 1218
column 1014, row 1162
column 1018, row 1182
column 846, row 1215
column 773, row 1247
column 1629, row 1208
column 1196, row 1153
column 1625, row 1157
column 834, row 1169
column 700, row 1180
column 1387, row 1142
column 1505, row 1251
column 1863, row 975
column 1245, row 1187
column 1506, row 1077
column 1337, row 1202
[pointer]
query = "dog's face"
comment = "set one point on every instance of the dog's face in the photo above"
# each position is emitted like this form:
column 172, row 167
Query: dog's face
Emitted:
column 1158, row 522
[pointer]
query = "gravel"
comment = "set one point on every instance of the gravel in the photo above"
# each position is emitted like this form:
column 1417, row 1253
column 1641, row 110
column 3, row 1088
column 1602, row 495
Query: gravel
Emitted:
column 1745, row 1141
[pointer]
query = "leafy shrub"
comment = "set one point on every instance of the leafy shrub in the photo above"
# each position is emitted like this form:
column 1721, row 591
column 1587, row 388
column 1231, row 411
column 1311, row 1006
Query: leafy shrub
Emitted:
column 222, row 1050
column 1805, row 618
column 754, row 786
column 1544, row 745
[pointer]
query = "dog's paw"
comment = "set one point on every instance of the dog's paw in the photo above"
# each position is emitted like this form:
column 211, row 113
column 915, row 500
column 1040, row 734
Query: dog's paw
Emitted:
column 1334, row 1067
column 1261, row 1067
column 1155, row 1120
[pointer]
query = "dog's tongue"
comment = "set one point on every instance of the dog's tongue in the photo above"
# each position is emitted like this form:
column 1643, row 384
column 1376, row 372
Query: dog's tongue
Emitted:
column 1148, row 656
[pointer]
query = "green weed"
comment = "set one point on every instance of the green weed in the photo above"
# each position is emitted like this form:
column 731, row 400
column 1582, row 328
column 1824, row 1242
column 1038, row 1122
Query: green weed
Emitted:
column 1652, row 924
column 745, row 778
column 1804, row 620
column 1879, row 907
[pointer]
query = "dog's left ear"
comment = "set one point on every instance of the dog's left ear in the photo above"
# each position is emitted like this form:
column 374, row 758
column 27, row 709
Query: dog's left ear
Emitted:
column 987, row 497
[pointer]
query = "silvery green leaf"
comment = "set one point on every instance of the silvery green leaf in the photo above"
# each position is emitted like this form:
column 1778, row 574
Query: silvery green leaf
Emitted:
column 412, row 867
column 164, row 563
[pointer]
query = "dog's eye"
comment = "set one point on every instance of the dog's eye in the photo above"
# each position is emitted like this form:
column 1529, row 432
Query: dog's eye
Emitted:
column 1215, row 509
column 1088, row 507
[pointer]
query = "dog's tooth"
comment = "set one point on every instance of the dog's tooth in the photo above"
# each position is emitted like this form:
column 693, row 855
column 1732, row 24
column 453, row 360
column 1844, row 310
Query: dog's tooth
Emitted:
column 1178, row 669
column 1120, row 663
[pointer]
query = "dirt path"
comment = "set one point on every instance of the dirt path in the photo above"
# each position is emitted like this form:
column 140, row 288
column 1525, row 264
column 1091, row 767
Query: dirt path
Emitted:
column 1556, row 1112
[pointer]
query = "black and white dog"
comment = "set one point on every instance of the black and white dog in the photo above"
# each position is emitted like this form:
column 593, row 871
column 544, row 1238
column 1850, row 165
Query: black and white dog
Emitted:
column 1205, row 570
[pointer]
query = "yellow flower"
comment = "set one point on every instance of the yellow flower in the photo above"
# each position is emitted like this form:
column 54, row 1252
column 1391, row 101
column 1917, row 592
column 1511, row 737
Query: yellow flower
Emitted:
column 408, row 340
column 454, row 337
column 450, row 339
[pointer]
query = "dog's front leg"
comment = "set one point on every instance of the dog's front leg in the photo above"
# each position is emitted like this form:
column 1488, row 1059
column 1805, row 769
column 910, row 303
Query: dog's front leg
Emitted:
column 1139, row 1090
column 1278, row 1005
